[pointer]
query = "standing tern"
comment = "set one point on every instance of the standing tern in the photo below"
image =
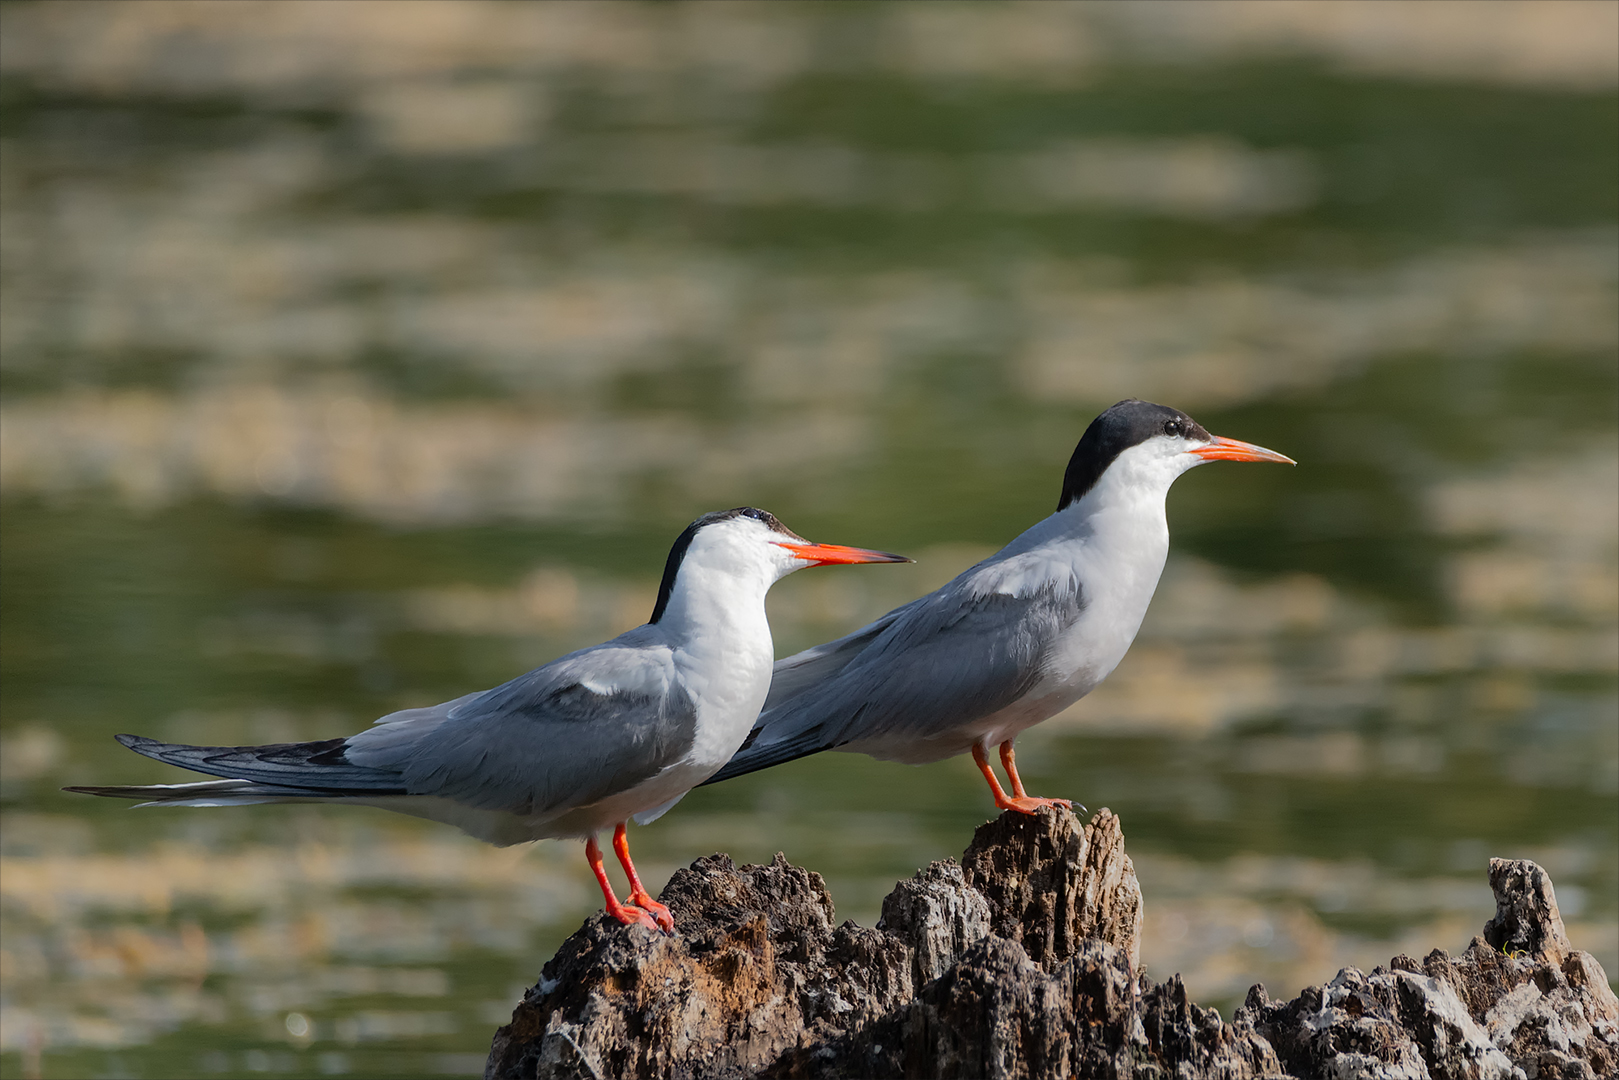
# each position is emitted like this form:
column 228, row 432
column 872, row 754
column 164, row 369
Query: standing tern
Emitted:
column 617, row 731
column 1013, row 640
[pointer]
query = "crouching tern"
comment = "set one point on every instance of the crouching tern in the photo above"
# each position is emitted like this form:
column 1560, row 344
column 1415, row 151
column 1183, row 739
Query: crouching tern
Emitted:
column 1013, row 640
column 617, row 731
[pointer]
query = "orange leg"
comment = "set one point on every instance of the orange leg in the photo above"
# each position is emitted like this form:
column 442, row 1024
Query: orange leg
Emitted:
column 1019, row 801
column 1009, row 763
column 638, row 894
column 627, row 914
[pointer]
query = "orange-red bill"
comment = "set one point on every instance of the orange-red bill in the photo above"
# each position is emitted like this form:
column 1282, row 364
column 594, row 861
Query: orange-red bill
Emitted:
column 1223, row 449
column 828, row 554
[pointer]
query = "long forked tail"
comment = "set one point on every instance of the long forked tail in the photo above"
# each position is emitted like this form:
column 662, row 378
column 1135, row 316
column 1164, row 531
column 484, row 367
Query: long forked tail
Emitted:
column 280, row 772
column 208, row 793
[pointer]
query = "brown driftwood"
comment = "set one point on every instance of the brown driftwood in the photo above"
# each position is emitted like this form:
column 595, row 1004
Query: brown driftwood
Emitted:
column 1023, row 960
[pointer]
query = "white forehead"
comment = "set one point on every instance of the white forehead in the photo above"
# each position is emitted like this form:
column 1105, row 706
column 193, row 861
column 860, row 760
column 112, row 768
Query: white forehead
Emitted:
column 1153, row 463
column 742, row 538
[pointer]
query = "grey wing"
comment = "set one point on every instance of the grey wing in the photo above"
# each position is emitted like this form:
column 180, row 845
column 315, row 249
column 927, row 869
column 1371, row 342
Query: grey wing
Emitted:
column 940, row 663
column 547, row 741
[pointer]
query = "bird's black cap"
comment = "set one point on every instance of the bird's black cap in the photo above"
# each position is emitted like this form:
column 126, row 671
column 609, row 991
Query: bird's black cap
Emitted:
column 1115, row 431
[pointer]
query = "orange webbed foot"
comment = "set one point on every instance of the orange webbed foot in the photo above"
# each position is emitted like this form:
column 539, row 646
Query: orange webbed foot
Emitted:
column 1022, row 803
column 1030, row 804
column 633, row 915
column 1019, row 800
column 659, row 913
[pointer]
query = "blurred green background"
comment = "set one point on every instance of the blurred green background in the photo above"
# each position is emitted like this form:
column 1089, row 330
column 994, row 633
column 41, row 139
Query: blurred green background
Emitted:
column 356, row 355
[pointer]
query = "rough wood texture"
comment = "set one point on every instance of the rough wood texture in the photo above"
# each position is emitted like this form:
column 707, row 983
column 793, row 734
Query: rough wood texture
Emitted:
column 1526, row 916
column 1021, row 961
column 1052, row 885
column 757, row 968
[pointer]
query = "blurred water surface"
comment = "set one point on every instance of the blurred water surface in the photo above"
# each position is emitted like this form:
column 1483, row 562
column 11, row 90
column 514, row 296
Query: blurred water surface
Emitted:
column 358, row 355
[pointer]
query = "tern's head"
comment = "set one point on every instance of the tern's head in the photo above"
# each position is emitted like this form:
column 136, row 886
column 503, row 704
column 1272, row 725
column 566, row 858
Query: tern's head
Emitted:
column 1141, row 445
column 742, row 552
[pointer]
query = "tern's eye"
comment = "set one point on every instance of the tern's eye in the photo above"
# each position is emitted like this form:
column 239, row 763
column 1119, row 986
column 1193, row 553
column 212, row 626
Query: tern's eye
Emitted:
column 1173, row 427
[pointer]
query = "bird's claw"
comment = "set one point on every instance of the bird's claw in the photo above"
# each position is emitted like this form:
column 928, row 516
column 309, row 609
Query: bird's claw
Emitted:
column 659, row 913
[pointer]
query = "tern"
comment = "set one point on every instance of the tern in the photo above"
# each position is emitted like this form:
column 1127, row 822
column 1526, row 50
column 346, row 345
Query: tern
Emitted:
column 1013, row 640
column 618, row 731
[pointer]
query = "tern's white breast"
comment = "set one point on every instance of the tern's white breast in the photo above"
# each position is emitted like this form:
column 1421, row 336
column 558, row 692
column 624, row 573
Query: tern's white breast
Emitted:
column 1115, row 554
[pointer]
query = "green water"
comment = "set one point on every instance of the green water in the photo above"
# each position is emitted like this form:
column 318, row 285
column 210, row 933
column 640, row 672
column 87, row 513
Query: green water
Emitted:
column 314, row 410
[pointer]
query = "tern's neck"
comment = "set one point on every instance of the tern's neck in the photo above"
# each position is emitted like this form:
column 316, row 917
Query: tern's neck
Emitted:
column 1125, row 519
column 718, row 608
column 716, row 625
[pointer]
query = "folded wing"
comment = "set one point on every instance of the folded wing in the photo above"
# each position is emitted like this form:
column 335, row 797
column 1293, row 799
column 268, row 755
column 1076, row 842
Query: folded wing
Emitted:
column 921, row 671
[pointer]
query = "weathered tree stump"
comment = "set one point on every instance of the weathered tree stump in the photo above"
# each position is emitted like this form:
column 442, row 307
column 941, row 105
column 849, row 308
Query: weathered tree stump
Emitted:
column 1023, row 961
column 1520, row 1002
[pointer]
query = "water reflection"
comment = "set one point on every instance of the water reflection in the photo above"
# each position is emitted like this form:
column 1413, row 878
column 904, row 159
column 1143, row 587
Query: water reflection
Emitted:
column 357, row 355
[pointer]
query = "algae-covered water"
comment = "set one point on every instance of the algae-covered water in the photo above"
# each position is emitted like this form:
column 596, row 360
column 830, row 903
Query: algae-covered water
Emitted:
column 355, row 356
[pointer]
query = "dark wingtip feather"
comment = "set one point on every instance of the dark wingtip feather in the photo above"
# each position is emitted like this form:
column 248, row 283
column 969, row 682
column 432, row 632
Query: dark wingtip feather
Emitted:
column 114, row 792
column 316, row 765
